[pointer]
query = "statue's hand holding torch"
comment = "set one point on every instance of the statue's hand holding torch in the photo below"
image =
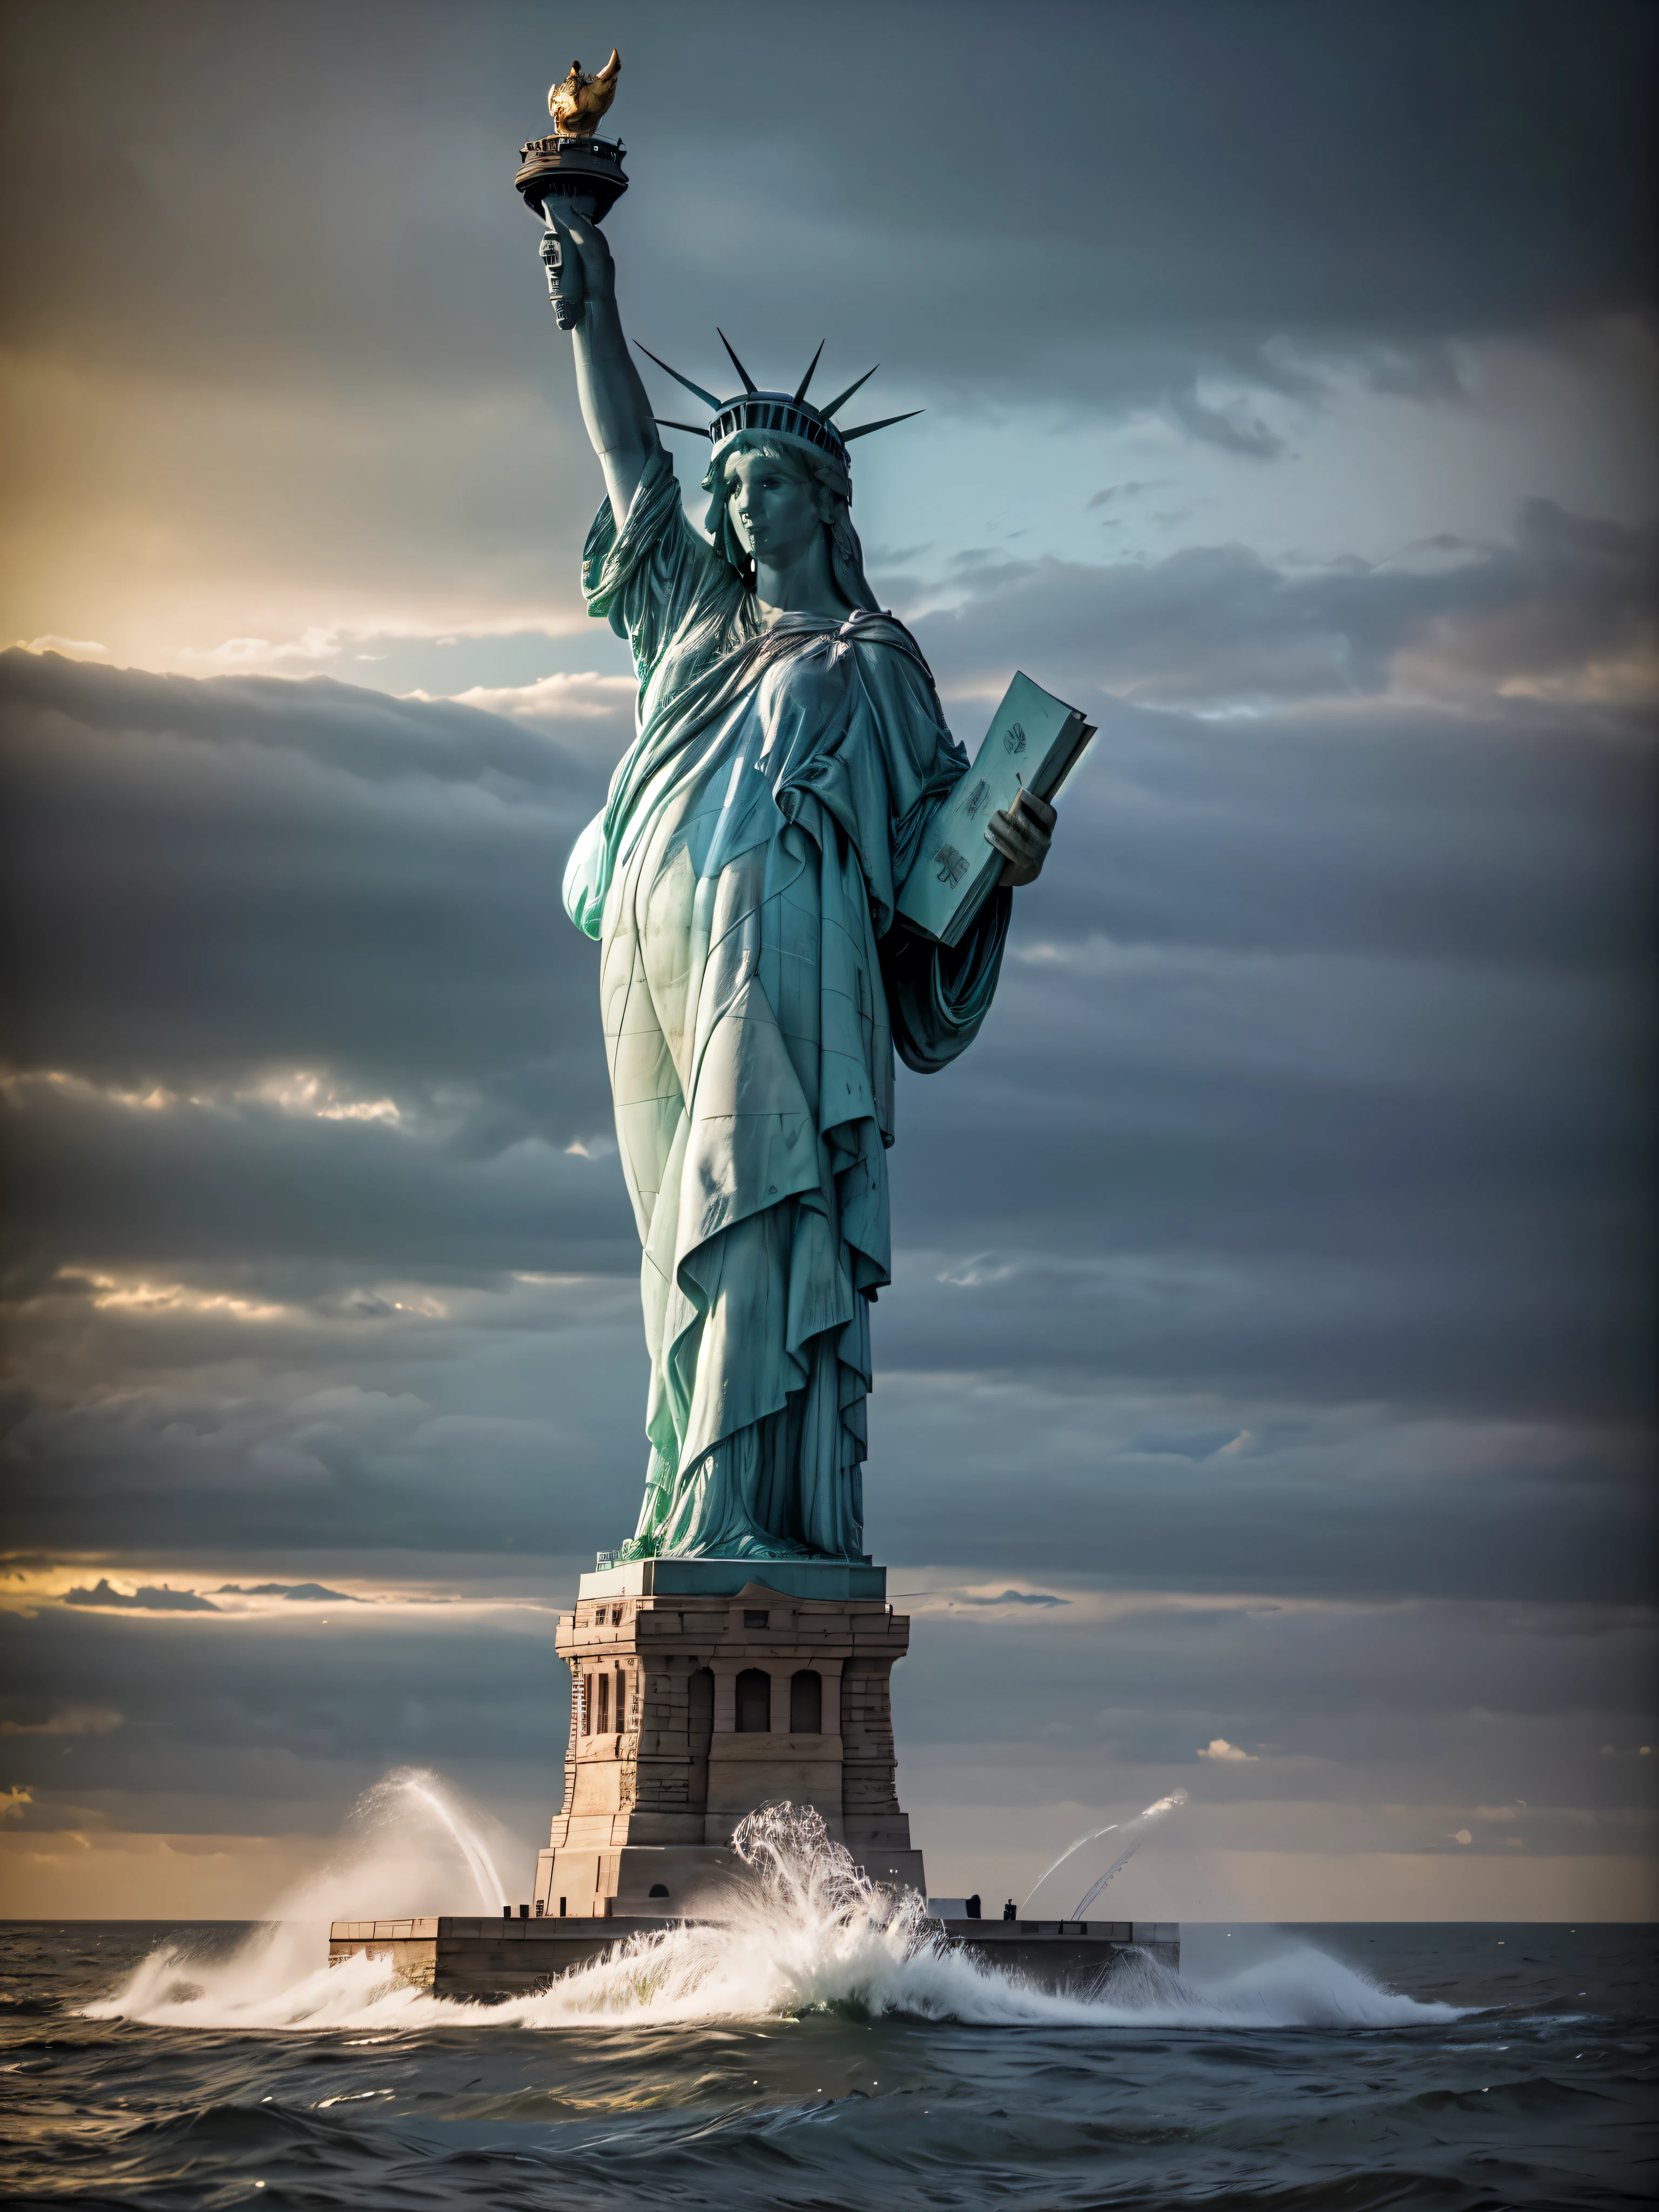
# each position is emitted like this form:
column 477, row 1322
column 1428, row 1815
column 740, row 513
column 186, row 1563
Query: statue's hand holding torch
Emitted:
column 578, row 264
column 565, row 291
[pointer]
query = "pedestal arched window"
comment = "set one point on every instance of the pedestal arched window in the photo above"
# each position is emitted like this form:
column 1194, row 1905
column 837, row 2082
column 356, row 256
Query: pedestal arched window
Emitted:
column 753, row 1702
column 806, row 1703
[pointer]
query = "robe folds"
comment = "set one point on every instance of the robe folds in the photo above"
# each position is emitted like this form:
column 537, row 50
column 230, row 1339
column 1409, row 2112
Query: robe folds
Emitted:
column 741, row 883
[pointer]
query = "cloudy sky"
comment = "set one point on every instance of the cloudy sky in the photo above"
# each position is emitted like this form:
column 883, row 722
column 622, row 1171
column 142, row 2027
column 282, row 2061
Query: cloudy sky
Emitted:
column 1264, row 1401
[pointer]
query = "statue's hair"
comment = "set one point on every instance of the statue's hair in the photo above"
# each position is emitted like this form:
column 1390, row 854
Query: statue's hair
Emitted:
column 835, row 493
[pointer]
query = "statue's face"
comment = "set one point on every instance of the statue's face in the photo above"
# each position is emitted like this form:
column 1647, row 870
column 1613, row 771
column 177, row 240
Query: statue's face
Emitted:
column 773, row 507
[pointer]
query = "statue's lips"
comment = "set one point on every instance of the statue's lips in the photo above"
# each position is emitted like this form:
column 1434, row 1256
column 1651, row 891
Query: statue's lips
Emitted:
column 758, row 525
column 770, row 541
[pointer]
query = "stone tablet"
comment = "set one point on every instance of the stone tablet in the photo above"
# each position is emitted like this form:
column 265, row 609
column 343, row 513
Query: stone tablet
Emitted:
column 1033, row 741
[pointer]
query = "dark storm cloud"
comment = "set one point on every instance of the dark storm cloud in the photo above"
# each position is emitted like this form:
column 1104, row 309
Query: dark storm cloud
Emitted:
column 114, row 1720
column 452, row 1440
column 286, row 1717
column 1321, row 1501
column 1044, row 1598
column 313, row 1202
column 502, row 1419
column 1566, row 597
column 1377, row 1681
column 1088, row 201
column 211, row 876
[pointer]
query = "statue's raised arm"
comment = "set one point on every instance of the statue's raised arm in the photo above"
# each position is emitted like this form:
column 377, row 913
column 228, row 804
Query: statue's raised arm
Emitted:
column 614, row 405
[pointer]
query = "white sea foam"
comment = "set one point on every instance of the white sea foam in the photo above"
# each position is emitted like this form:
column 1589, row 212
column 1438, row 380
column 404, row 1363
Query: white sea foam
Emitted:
column 809, row 1932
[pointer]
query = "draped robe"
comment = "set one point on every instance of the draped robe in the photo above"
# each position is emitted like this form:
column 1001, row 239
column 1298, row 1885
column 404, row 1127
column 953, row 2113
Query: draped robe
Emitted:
column 754, row 983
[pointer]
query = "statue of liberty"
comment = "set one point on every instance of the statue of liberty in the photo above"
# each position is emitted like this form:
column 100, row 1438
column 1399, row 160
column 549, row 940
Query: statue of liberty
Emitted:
column 755, row 978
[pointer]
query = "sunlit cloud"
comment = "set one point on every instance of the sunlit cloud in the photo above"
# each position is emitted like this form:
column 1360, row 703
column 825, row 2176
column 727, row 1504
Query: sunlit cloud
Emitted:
column 73, row 648
column 143, row 1296
column 304, row 1093
column 15, row 1083
column 581, row 697
column 259, row 653
column 307, row 1091
column 351, row 648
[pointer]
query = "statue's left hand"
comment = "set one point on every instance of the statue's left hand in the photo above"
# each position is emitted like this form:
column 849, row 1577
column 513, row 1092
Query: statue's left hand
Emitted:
column 1021, row 836
column 579, row 265
column 593, row 249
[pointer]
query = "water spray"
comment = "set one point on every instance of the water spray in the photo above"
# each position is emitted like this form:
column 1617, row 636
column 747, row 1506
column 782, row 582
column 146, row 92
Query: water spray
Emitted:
column 806, row 1933
column 1136, row 1828
column 1164, row 1805
column 415, row 1781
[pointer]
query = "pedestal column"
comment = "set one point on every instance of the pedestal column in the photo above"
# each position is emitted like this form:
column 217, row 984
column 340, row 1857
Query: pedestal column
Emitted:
column 650, row 1805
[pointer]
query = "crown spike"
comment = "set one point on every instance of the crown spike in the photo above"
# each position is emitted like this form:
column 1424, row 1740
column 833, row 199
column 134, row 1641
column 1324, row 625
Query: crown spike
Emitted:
column 749, row 383
column 800, row 389
column 826, row 412
column 886, row 423
column 697, row 430
column 707, row 397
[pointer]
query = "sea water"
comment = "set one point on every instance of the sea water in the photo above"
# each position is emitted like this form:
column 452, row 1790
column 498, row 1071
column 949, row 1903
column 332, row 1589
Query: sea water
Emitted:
column 823, row 2049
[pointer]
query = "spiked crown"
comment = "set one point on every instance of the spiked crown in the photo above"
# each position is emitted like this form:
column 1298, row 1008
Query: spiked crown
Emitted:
column 787, row 414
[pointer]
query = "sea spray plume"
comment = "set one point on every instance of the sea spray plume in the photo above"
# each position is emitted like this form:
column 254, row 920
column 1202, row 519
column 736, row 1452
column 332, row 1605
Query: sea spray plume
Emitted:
column 802, row 1873
column 1136, row 1828
column 806, row 1932
column 1110, row 1829
column 416, row 1784
column 689, row 1977
column 801, row 1929
column 1135, row 1832
column 409, row 1842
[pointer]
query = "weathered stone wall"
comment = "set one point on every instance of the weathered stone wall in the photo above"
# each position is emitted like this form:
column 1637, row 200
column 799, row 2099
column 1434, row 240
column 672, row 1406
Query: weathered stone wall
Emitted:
column 655, row 1797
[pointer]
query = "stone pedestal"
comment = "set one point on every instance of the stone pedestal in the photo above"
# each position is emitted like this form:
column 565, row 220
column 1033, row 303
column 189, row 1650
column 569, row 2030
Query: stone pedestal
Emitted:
column 701, row 1689
column 514, row 1958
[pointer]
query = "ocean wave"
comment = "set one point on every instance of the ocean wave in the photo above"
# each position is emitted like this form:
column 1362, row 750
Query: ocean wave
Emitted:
column 811, row 1933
